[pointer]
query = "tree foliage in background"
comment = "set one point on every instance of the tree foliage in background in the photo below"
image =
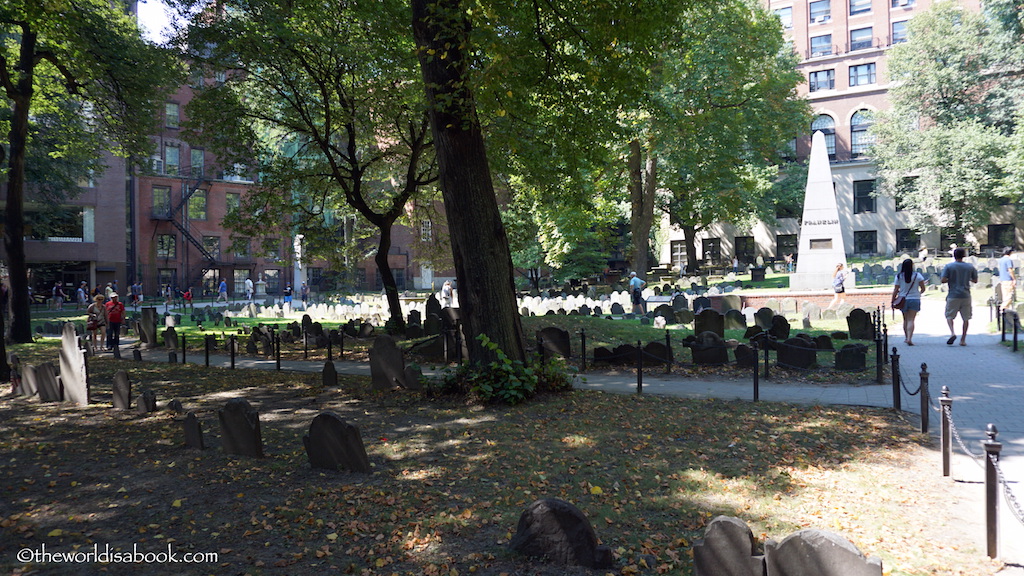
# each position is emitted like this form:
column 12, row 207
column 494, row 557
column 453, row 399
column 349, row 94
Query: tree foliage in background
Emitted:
column 336, row 126
column 62, row 63
column 946, row 148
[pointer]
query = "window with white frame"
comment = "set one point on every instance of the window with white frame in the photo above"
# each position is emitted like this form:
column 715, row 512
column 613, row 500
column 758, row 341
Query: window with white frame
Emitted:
column 161, row 202
column 821, row 11
column 172, row 118
column 861, row 38
column 860, row 136
column 198, row 161
column 859, row 7
column 902, row 3
column 821, row 45
column 827, row 126
column 821, row 80
column 426, row 231
column 172, row 159
column 899, row 31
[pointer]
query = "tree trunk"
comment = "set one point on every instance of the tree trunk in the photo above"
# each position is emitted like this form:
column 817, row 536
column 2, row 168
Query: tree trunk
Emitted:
column 14, row 231
column 690, row 237
column 387, row 277
column 642, row 184
column 483, row 262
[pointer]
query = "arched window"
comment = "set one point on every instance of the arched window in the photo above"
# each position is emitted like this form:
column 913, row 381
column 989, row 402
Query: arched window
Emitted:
column 860, row 139
column 827, row 126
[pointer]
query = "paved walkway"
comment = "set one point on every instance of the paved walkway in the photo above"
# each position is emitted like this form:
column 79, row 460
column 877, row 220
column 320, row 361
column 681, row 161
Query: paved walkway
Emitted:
column 984, row 379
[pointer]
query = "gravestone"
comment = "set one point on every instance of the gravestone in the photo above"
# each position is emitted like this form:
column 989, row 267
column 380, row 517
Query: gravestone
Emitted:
column 147, row 328
column 555, row 341
column 763, row 317
column 137, row 355
column 146, row 402
column 779, row 328
column 727, row 549
column 387, row 364
column 193, row 432
column 334, row 444
column 329, row 375
column 413, row 377
column 433, row 306
column 46, row 383
column 122, row 390
column 788, row 306
column 657, row 354
column 772, row 304
column 731, row 302
column 824, row 342
column 811, row 310
column 708, row 348
column 819, row 553
column 432, row 325
column 175, row 406
column 365, row 330
column 861, row 326
column 685, row 316
column 679, row 302
column 602, row 355
column 852, row 357
column 709, row 320
column 701, row 303
column 797, row 353
column 559, row 532
column 29, row 381
column 73, row 374
column 414, row 318
column 240, row 429
column 171, row 338
column 735, row 320
column 665, row 311
column 745, row 356
column 617, row 309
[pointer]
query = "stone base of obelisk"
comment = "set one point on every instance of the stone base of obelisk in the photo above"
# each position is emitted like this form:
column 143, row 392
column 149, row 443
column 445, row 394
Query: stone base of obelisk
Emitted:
column 819, row 280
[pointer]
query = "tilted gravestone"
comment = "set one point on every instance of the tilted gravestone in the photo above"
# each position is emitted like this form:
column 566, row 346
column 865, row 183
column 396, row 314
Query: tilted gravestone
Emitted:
column 330, row 375
column 240, row 429
column 797, row 353
column 735, row 320
column 122, row 390
column 852, row 357
column 763, row 317
column 554, row 340
column 559, row 532
column 137, row 355
column 147, row 328
column 73, row 373
column 29, row 381
column 746, row 357
column 146, row 402
column 193, row 432
column 413, row 378
column 387, row 364
column 811, row 310
column 685, row 316
column 820, row 553
column 731, row 302
column 779, row 328
column 727, row 549
column 701, row 303
column 708, row 348
column 46, row 382
column 334, row 444
column 861, row 325
column 175, row 406
column 709, row 320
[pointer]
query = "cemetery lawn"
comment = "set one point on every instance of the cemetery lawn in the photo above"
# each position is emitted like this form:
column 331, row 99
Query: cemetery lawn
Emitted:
column 451, row 477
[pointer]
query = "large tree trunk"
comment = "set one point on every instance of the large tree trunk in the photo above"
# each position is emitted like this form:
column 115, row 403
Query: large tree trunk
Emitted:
column 690, row 237
column 387, row 277
column 14, row 231
column 483, row 263
column 642, row 184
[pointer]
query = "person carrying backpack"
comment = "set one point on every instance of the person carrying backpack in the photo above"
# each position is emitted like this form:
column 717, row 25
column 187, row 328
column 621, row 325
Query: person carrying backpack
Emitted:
column 115, row 316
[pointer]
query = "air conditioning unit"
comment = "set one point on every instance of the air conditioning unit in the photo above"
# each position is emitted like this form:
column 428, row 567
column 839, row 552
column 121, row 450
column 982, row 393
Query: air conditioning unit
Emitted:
column 157, row 165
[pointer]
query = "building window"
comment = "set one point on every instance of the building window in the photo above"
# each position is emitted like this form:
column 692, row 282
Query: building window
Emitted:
column 426, row 231
column 678, row 248
column 197, row 205
column 198, row 159
column 712, row 250
column 859, row 7
column 171, row 116
column 862, row 74
column 821, row 11
column 861, row 39
column 1000, row 235
column 161, row 202
column 865, row 242
column 785, row 244
column 232, row 201
column 241, row 248
column 949, row 236
column 785, row 16
column 860, row 138
column 167, row 277
column 166, row 246
column 907, row 240
column 239, row 277
column 827, row 126
column 746, row 249
column 822, row 80
column 902, row 3
column 273, row 279
column 172, row 159
column 821, row 45
column 212, row 246
column 863, row 196
column 272, row 248
column 314, row 276
column 899, row 31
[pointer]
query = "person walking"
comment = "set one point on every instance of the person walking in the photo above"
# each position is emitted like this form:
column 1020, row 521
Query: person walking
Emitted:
column 909, row 286
column 1007, row 280
column 959, row 275
column 96, row 319
column 304, row 294
column 222, row 291
column 838, row 280
column 636, row 287
column 287, row 294
column 58, row 296
column 115, row 316
column 446, row 294
column 82, row 296
column 248, row 289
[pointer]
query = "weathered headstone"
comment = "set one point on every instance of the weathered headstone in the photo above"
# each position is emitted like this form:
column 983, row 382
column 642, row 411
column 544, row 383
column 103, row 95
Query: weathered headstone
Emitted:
column 735, row 320
column 413, row 377
column 193, row 432
column 820, row 553
column 861, row 325
column 708, row 348
column 731, row 302
column 727, row 549
column 779, row 328
column 555, row 341
column 330, row 375
column 617, row 309
column 387, row 364
column 824, row 342
column 797, row 353
column 334, row 444
column 709, row 320
column 657, row 354
column 146, row 402
column 147, row 328
column 685, row 316
column 175, row 406
column 137, row 355
column 171, row 338
column 432, row 324
column 701, row 303
column 73, row 373
column 46, row 383
column 122, row 390
column 29, row 381
column 559, row 532
column 746, row 357
column 852, row 357
column 240, row 429
column 763, row 317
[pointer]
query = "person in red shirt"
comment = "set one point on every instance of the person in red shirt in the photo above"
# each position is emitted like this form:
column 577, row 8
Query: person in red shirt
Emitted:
column 115, row 316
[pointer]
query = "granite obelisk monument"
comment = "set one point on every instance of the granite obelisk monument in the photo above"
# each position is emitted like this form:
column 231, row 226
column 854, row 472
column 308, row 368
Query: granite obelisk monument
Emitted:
column 821, row 237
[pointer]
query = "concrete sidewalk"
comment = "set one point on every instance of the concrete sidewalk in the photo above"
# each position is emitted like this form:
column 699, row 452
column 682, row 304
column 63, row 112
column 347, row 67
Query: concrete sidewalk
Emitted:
column 984, row 379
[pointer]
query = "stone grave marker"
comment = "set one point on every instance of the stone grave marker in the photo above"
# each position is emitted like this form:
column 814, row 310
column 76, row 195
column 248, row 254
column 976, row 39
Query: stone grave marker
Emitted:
column 137, row 355
column 193, row 432
column 413, row 377
column 824, row 342
column 334, row 444
column 685, row 316
column 701, row 303
column 559, row 532
column 852, row 357
column 617, row 309
column 146, row 402
column 779, row 328
column 820, row 553
column 811, row 310
column 665, row 311
column 171, row 338
column 745, row 356
column 727, row 549
column 709, row 320
column 29, row 381
column 797, row 353
column 122, row 390
column 555, row 341
column 432, row 325
column 73, row 373
column 330, row 375
column 763, row 317
column 709, row 348
column 387, row 364
column 735, row 320
column 679, row 302
column 175, row 406
column 731, row 302
column 656, row 353
column 240, row 429
column 860, row 324
column 47, row 384
column 433, row 306
column 788, row 306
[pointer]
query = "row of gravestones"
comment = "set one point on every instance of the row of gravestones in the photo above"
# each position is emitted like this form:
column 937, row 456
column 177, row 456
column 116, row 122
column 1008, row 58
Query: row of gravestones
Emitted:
column 70, row 381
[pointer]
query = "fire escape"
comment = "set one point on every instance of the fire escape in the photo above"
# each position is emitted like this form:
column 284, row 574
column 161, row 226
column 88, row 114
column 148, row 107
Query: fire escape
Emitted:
column 178, row 216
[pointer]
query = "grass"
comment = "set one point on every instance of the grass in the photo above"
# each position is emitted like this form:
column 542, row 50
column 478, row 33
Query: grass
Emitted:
column 451, row 478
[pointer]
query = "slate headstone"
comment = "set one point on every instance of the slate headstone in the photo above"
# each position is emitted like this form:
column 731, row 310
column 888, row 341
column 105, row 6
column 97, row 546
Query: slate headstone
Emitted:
column 334, row 444
column 701, row 303
column 685, row 316
column 797, row 353
column 779, row 328
column 727, row 549
column 861, row 325
column 122, row 390
column 735, row 320
column 73, row 373
column 824, row 342
column 330, row 375
column 240, row 429
column 387, row 364
column 617, row 309
column 709, row 348
column 820, row 553
column 731, row 302
column 559, row 532
column 46, row 383
column 852, row 357
column 656, row 353
column 193, row 432
column 746, row 357
column 555, row 341
column 146, row 402
column 709, row 320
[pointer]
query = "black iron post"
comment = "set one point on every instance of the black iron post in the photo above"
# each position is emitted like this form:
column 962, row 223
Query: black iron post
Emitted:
column 231, row 346
column 583, row 348
column 946, row 403
column 896, row 400
column 885, row 341
column 329, row 342
column 924, row 398
column 766, row 358
column 757, row 383
column 206, row 352
column 276, row 340
column 1016, row 325
column 879, row 361
column 992, row 449
column 668, row 353
column 639, row 368
column 183, row 348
